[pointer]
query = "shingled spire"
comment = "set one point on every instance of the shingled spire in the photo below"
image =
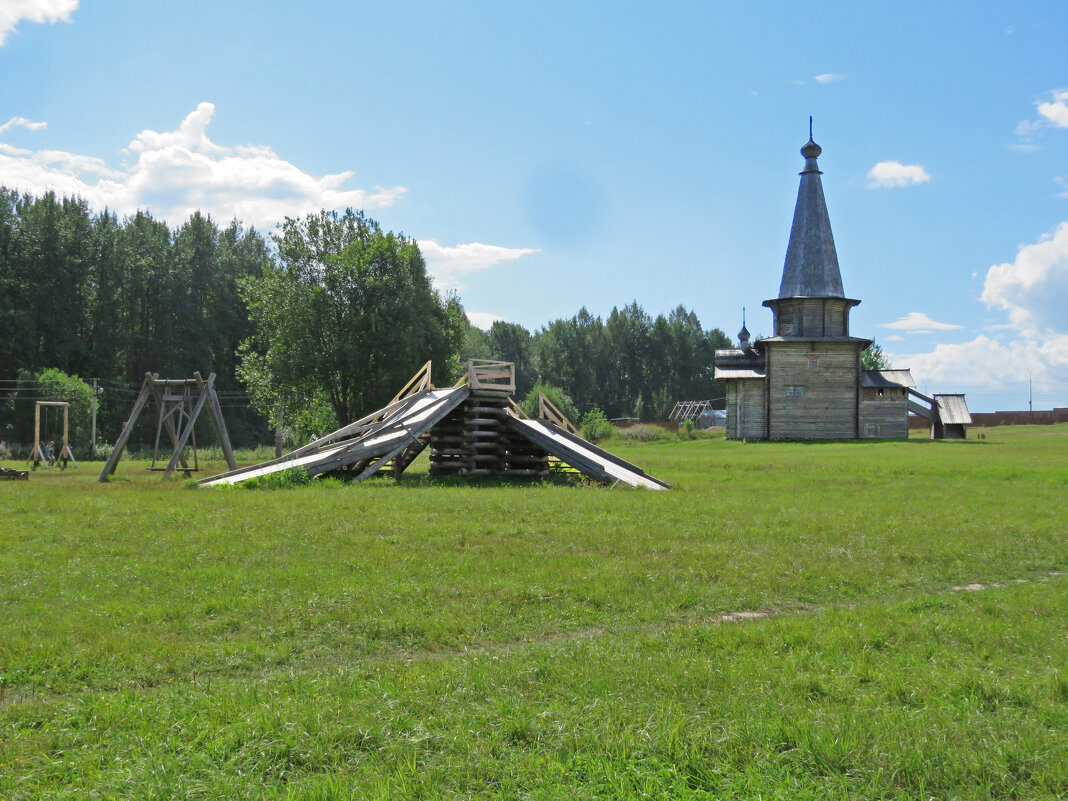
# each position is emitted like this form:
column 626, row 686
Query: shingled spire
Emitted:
column 811, row 269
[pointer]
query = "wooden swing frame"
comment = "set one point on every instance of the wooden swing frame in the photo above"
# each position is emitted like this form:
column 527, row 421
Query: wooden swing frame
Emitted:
column 180, row 401
column 65, row 455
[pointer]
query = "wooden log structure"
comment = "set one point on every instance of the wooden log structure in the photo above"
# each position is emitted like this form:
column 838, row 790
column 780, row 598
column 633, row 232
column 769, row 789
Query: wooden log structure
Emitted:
column 473, row 429
column 473, row 441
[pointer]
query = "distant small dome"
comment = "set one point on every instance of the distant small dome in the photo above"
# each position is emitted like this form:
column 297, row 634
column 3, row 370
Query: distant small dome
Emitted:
column 811, row 150
column 743, row 336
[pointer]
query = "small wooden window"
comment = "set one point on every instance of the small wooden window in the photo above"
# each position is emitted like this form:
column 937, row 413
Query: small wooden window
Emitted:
column 813, row 362
column 795, row 392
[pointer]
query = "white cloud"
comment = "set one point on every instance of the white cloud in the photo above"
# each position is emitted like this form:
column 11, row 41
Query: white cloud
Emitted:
column 1052, row 113
column 895, row 338
column 483, row 320
column 829, row 77
column 178, row 172
column 1033, row 290
column 448, row 264
column 1055, row 110
column 988, row 362
column 894, row 173
column 12, row 12
column 17, row 122
column 919, row 323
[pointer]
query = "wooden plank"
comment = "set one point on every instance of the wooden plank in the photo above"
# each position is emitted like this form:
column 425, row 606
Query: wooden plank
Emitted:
column 362, row 426
column 359, row 449
column 188, row 430
column 124, row 435
column 345, row 454
column 420, row 381
column 172, row 432
column 215, row 415
column 922, row 411
column 547, row 411
column 574, row 457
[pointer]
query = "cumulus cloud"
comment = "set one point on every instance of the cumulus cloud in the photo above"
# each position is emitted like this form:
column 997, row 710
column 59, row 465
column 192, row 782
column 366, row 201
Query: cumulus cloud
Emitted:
column 483, row 320
column 1055, row 110
column 447, row 265
column 919, row 323
column 991, row 363
column 829, row 77
column 12, row 12
column 174, row 173
column 1033, row 291
column 894, row 173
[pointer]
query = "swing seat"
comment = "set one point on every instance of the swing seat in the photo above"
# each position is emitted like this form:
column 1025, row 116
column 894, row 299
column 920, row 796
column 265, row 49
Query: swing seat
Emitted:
column 178, row 469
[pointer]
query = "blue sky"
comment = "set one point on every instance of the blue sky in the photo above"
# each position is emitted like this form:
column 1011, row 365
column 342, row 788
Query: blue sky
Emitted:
column 557, row 155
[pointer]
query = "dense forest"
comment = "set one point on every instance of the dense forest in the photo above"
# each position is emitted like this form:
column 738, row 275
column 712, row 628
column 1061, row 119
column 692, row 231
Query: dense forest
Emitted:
column 87, row 293
column 629, row 365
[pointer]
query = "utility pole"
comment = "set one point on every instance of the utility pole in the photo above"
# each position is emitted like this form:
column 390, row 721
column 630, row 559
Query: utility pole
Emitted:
column 1030, row 397
column 96, row 391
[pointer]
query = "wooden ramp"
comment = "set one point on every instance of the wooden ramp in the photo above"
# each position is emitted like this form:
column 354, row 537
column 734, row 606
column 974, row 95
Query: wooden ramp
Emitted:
column 473, row 430
column 947, row 413
column 584, row 456
column 365, row 446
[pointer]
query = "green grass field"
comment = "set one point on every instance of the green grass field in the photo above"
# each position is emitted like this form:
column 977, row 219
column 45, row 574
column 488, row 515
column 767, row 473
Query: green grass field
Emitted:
column 794, row 621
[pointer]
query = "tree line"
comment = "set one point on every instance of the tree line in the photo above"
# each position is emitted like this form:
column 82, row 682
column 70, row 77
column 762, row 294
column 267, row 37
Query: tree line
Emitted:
column 312, row 327
column 97, row 296
column 628, row 365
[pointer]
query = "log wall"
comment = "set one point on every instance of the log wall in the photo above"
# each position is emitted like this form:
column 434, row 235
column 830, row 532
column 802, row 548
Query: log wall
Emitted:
column 811, row 317
column 884, row 416
column 474, row 441
column 812, row 389
column 746, row 406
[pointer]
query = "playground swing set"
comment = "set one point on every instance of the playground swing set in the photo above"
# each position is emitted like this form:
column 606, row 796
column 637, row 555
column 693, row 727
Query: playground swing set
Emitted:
column 40, row 454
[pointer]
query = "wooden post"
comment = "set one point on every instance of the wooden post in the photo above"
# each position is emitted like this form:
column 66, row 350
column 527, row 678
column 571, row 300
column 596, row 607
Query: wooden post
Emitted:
column 215, row 415
column 124, row 435
column 96, row 403
column 66, row 430
column 37, row 455
column 184, row 436
column 172, row 432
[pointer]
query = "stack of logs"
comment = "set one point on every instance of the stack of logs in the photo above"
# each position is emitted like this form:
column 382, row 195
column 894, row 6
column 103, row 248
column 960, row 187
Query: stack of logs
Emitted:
column 474, row 440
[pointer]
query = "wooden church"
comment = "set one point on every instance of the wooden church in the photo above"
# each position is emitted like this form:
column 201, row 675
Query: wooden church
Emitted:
column 805, row 381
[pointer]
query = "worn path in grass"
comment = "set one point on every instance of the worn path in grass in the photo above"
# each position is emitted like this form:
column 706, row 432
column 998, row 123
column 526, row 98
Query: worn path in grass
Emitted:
column 158, row 621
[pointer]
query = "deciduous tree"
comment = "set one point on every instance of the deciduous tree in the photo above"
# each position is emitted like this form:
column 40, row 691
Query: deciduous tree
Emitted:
column 343, row 321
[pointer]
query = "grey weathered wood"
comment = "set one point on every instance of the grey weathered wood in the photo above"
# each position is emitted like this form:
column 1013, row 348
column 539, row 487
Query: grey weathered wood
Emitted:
column 165, row 419
column 124, row 435
column 188, row 430
column 215, row 416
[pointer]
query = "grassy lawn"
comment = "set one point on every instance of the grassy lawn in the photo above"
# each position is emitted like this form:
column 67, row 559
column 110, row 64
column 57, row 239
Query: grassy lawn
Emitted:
column 789, row 621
